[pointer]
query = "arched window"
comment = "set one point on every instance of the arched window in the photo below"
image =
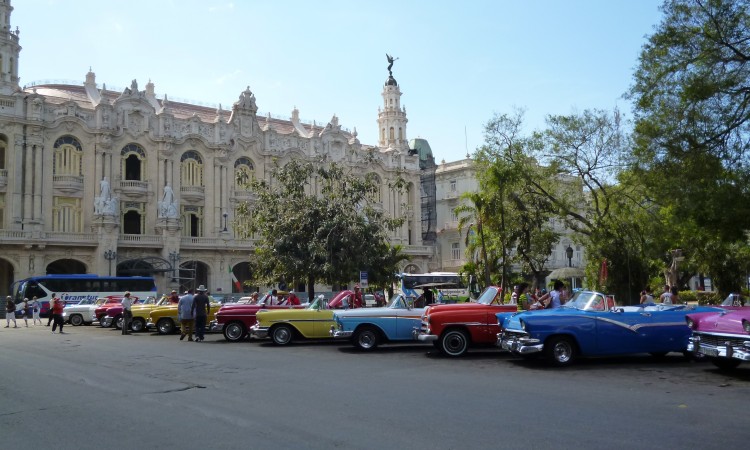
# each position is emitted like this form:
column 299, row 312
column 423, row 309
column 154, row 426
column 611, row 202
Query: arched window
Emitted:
column 133, row 162
column 400, row 134
column 133, row 218
column 192, row 221
column 67, row 156
column 391, row 136
column 244, row 172
column 66, row 215
column 382, row 134
column 191, row 169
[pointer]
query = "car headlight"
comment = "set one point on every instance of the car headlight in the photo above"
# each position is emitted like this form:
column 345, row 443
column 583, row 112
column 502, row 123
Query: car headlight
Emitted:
column 523, row 324
column 690, row 323
column 746, row 325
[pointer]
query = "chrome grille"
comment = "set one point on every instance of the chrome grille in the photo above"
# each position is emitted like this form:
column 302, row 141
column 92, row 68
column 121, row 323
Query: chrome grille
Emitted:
column 719, row 340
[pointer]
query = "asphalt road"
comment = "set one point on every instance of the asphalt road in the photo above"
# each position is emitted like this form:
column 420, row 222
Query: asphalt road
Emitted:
column 93, row 388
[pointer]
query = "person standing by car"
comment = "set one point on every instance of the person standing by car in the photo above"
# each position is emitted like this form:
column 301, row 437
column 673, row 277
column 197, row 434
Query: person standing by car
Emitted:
column 10, row 312
column 35, row 310
column 185, row 314
column 56, row 310
column 127, row 314
column 173, row 297
column 666, row 296
column 357, row 301
column 553, row 299
column 53, row 299
column 201, row 309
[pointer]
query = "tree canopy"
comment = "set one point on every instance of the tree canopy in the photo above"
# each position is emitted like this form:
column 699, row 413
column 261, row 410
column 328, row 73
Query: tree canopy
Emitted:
column 319, row 222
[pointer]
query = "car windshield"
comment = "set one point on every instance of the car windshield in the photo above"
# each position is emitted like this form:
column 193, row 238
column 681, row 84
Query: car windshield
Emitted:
column 319, row 303
column 732, row 300
column 397, row 301
column 587, row 301
column 488, row 296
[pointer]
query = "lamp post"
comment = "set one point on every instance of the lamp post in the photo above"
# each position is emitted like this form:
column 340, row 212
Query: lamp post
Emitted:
column 110, row 255
column 225, row 221
column 173, row 258
column 569, row 254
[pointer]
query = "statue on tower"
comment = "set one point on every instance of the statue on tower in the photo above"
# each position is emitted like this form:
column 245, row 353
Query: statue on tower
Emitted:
column 391, row 59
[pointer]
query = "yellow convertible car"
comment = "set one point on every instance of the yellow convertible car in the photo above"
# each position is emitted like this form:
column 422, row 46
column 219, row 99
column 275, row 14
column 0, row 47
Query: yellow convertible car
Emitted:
column 313, row 322
column 166, row 321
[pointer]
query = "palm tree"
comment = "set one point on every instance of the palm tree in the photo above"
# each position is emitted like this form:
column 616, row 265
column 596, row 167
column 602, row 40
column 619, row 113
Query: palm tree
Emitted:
column 472, row 216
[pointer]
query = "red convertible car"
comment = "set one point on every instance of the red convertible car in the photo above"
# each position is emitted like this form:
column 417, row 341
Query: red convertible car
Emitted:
column 453, row 328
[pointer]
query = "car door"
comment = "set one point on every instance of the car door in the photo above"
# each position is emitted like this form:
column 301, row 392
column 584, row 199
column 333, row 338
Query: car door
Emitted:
column 621, row 332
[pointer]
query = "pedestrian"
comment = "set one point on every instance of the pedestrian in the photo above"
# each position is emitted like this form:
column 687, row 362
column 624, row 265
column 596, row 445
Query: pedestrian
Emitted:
column 524, row 297
column 357, row 297
column 185, row 315
column 254, row 298
column 10, row 312
column 666, row 296
column 35, row 310
column 173, row 297
column 53, row 298
column 200, row 309
column 514, row 296
column 553, row 299
column 127, row 313
column 25, row 311
column 56, row 308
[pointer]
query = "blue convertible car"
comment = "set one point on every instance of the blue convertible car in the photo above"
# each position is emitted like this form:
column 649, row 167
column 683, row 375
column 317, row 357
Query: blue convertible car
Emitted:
column 368, row 327
column 590, row 324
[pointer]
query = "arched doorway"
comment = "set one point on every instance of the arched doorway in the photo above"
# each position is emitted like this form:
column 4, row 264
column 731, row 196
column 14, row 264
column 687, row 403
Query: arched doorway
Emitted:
column 193, row 274
column 66, row 267
column 7, row 277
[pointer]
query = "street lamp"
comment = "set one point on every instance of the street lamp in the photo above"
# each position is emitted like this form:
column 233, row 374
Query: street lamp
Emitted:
column 225, row 221
column 569, row 254
column 110, row 255
column 174, row 257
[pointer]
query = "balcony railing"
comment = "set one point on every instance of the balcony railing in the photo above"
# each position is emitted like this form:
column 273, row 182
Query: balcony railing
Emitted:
column 133, row 187
column 68, row 183
column 452, row 225
column 193, row 193
column 140, row 240
column 3, row 178
column 63, row 237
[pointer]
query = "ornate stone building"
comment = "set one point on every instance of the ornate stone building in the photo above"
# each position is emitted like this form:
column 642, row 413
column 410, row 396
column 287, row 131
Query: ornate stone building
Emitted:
column 124, row 182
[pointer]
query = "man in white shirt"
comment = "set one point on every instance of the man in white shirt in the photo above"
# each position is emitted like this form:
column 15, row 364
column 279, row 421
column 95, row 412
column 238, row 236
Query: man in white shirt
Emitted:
column 127, row 303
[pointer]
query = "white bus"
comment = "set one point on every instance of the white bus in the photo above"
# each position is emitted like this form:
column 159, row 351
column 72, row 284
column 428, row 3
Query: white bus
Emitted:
column 71, row 289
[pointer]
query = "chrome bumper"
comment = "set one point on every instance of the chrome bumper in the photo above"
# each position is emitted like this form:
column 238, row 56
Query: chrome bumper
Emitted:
column 258, row 332
column 150, row 325
column 417, row 335
column 727, row 350
column 519, row 344
column 340, row 334
column 215, row 326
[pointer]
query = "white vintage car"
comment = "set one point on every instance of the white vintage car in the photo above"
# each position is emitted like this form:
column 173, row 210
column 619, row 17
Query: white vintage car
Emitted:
column 82, row 312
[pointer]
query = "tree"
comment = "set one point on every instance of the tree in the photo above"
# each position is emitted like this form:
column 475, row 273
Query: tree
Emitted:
column 692, row 133
column 316, row 223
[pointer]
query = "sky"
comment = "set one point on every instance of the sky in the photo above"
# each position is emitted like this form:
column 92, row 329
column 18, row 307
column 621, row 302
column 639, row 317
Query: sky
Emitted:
column 458, row 64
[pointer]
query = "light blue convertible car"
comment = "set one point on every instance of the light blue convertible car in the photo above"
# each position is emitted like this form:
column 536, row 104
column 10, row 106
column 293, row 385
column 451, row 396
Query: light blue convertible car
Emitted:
column 369, row 327
column 590, row 324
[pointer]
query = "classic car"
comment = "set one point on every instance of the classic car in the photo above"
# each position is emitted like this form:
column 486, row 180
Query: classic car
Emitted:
column 591, row 324
column 453, row 328
column 724, row 337
column 735, row 301
column 369, row 327
column 313, row 322
column 166, row 320
column 101, row 310
column 82, row 313
column 235, row 319
column 113, row 315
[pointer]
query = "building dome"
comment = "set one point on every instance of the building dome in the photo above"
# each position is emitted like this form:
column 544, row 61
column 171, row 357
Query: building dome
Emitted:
column 422, row 147
column 391, row 81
